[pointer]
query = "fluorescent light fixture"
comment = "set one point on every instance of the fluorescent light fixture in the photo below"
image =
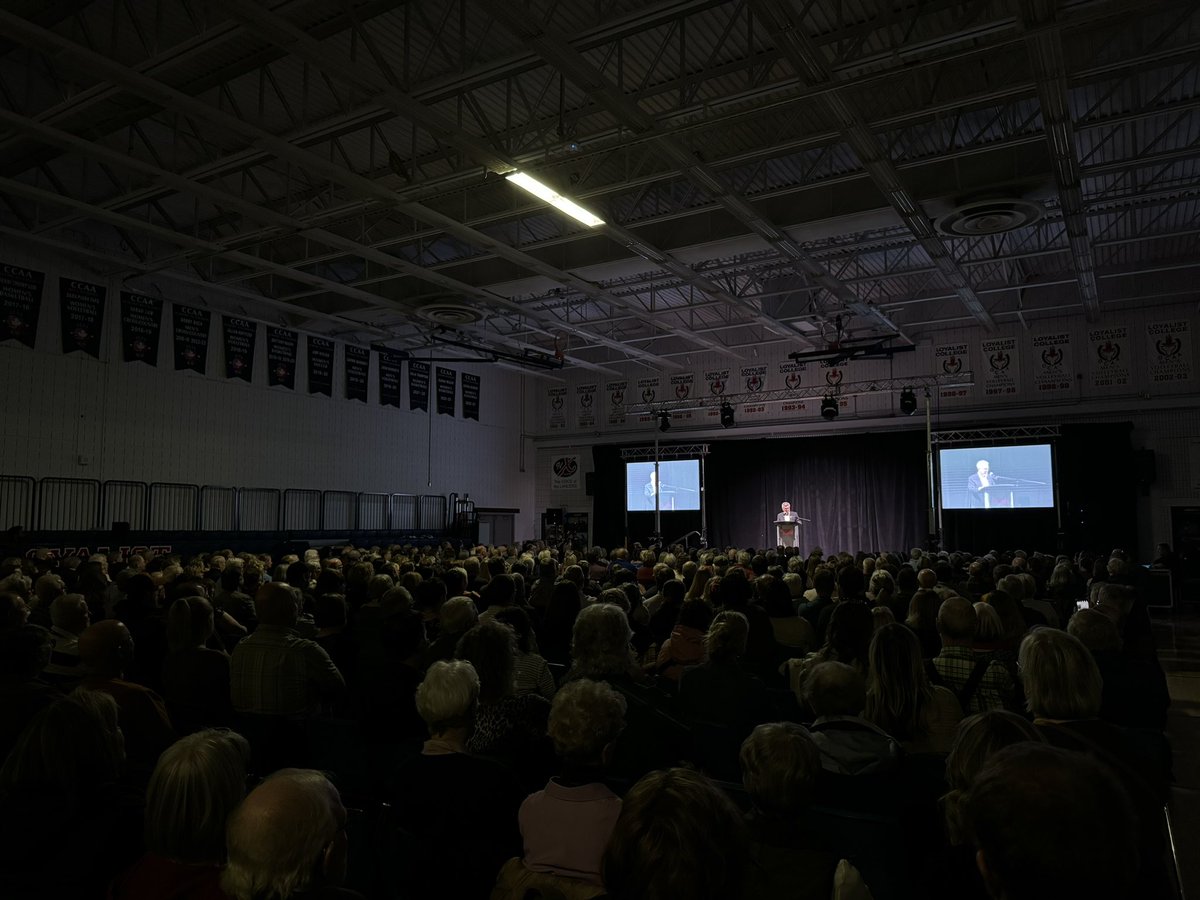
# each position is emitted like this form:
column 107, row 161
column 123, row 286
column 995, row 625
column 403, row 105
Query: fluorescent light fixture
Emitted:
column 555, row 199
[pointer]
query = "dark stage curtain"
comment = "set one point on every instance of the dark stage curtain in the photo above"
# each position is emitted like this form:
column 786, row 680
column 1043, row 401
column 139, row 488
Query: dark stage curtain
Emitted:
column 862, row 492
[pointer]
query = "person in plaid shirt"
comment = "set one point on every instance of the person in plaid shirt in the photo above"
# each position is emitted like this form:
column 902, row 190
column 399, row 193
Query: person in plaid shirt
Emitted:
column 979, row 681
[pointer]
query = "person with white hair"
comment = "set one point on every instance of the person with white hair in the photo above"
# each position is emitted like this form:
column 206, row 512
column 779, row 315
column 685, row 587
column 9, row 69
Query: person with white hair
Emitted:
column 70, row 618
column 432, row 792
column 288, row 839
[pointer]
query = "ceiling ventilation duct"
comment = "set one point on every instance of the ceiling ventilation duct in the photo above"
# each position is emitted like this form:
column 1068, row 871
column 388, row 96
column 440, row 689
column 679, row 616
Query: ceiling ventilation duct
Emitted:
column 994, row 216
column 449, row 314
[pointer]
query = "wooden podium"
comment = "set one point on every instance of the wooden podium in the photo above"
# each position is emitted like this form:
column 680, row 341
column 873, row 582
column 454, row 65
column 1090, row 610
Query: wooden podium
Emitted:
column 787, row 530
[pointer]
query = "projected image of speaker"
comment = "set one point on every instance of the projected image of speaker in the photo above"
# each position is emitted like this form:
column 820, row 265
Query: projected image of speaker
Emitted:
column 997, row 477
column 675, row 486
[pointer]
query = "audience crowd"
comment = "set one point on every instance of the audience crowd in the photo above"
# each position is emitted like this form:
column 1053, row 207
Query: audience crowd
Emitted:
column 538, row 722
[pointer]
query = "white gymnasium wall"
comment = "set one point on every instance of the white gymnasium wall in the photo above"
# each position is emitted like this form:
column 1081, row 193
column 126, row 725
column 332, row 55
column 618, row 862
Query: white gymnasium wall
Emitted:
column 75, row 416
column 1165, row 413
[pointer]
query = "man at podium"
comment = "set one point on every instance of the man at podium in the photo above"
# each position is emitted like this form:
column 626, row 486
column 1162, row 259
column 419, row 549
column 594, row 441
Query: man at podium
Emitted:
column 787, row 531
column 978, row 484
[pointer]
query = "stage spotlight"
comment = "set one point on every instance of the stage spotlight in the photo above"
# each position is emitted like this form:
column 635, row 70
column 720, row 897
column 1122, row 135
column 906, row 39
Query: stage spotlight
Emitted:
column 908, row 401
column 664, row 421
column 726, row 415
column 829, row 408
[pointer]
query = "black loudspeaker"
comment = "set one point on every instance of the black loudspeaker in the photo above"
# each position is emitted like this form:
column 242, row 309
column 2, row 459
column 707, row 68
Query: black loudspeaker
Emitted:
column 553, row 515
column 1146, row 467
column 589, row 483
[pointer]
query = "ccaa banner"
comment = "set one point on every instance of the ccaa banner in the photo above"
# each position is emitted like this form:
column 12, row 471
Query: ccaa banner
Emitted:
column 82, row 306
column 320, row 366
column 565, row 473
column 1001, row 367
column 20, row 303
column 358, row 369
column 191, row 338
column 1169, row 350
column 951, row 360
column 447, row 384
column 1109, row 357
column 391, row 362
column 470, row 396
column 1052, row 371
column 585, row 405
column 418, row 385
column 240, row 335
column 616, row 391
column 281, row 358
column 141, row 324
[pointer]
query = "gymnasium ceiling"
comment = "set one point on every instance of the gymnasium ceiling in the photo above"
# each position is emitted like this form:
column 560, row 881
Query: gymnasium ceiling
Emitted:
column 765, row 169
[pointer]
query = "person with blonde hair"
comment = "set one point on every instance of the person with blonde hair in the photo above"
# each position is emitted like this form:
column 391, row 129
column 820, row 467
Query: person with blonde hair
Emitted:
column 197, row 784
column 900, row 699
column 566, row 825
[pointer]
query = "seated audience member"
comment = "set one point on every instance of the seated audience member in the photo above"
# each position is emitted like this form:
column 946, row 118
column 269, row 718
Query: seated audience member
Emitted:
column 70, row 618
column 23, row 655
column 1135, row 693
column 818, row 597
column 508, row 725
column 532, row 671
column 230, row 601
column 922, row 620
column 850, row 745
column 677, row 836
column 1127, row 608
column 664, row 608
column 900, row 699
column 989, row 631
column 68, row 826
column 14, row 611
column 1064, row 691
column 141, row 613
column 46, row 590
column 276, row 673
column 978, row 681
column 106, row 649
column 197, row 784
column 1050, row 823
column 499, row 593
column 1011, row 620
column 792, row 632
column 685, row 646
column 601, row 651
column 566, row 826
column 330, row 616
column 385, row 703
column 780, row 767
column 456, row 617
column 720, row 691
column 951, row 872
column 288, row 839
column 432, row 793
column 846, row 641
column 195, row 677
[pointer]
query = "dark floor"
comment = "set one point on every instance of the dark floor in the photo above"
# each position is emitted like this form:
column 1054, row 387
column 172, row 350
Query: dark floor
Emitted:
column 1178, row 639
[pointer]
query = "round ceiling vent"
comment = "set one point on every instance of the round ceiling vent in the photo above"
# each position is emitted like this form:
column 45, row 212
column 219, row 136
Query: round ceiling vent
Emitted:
column 448, row 313
column 989, row 217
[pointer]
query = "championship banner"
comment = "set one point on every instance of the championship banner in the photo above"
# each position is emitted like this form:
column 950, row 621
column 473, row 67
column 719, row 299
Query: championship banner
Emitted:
column 391, row 363
column 281, row 358
column 1169, row 351
column 358, row 369
column 20, row 303
column 681, row 389
column 585, row 405
column 717, row 381
column 447, row 384
column 141, row 326
column 564, row 473
column 1109, row 357
column 753, row 381
column 791, row 373
column 191, row 328
column 1001, row 370
column 240, row 336
column 952, row 359
column 320, row 366
column 648, row 392
column 556, row 405
column 82, row 305
column 418, row 385
column 616, row 391
column 1052, row 372
column 470, row 396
